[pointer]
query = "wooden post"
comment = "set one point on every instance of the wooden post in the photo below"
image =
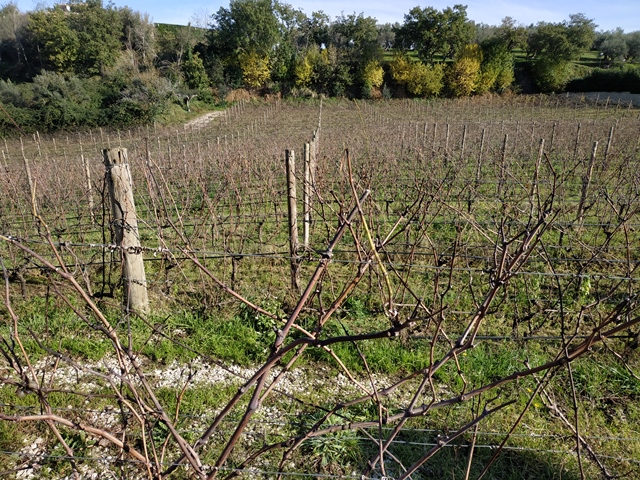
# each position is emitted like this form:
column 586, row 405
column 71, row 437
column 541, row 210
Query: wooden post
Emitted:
column 87, row 174
column 586, row 182
column 307, row 193
column 290, row 163
column 575, row 148
column 32, row 188
column 126, row 225
column 446, row 146
column 503, row 167
column 464, row 139
column 609, row 142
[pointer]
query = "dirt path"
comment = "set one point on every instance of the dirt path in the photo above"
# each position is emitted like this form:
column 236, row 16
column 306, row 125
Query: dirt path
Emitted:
column 203, row 120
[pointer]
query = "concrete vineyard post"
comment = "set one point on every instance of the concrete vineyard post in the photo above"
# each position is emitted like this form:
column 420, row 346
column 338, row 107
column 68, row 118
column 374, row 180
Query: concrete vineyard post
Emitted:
column 126, row 227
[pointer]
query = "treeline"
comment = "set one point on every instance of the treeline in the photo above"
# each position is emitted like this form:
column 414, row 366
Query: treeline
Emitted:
column 84, row 63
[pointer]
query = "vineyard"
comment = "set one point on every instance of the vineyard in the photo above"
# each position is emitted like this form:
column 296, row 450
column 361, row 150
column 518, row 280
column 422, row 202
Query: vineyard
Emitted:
column 454, row 298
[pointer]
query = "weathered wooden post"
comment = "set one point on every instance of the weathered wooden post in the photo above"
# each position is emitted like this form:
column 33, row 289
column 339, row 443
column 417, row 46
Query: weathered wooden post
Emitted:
column 126, row 226
column 307, row 194
column 586, row 182
column 87, row 174
column 290, row 163
column 27, row 169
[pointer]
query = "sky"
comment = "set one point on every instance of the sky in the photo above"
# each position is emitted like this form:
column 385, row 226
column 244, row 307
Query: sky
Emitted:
column 607, row 14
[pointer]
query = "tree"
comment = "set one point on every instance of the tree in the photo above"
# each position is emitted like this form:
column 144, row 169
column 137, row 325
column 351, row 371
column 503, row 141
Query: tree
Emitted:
column 562, row 41
column 551, row 75
column 247, row 27
column 371, row 77
column 613, row 47
column 138, row 37
column 355, row 34
column 513, row 35
column 82, row 41
column 633, row 43
column 581, row 31
column 61, row 102
column 285, row 53
column 430, row 32
column 99, row 30
column 255, row 69
column 56, row 40
column 497, row 68
column 13, row 59
column 314, row 31
column 355, row 40
column 554, row 45
column 303, row 73
column 387, row 35
column 194, row 73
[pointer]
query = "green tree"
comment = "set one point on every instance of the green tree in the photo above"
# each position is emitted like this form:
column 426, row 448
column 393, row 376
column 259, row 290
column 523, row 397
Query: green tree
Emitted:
column 99, row 30
column 82, row 41
column 581, row 31
column 13, row 59
column 633, row 44
column 136, row 99
column 552, row 75
column 57, row 42
column 61, row 102
column 554, row 45
column 286, row 52
column 613, row 47
column 497, row 68
column 387, row 35
column 195, row 76
column 16, row 100
column 430, row 32
column 355, row 39
column 314, row 31
column 562, row 41
column 249, row 27
column 513, row 36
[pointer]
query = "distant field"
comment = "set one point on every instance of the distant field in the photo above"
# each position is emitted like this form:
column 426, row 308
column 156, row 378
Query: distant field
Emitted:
column 478, row 312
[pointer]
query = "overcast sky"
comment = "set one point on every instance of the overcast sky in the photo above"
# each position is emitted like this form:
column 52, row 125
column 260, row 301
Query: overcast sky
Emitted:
column 607, row 14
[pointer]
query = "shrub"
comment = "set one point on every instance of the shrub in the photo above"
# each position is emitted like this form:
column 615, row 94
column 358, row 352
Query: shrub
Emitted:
column 497, row 67
column 419, row 79
column 463, row 75
column 626, row 79
column 303, row 72
column 552, row 75
column 255, row 69
column 373, row 74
